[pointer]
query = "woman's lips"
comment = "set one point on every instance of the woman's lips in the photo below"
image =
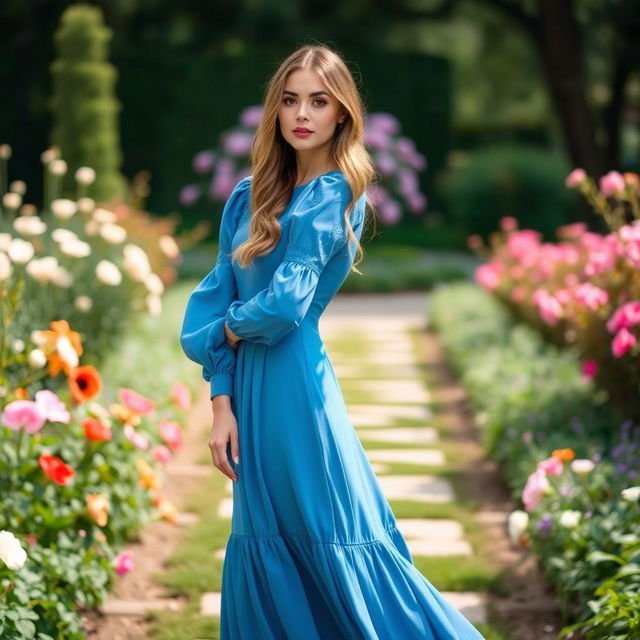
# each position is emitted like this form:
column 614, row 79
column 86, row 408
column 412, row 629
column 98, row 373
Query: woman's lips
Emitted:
column 302, row 134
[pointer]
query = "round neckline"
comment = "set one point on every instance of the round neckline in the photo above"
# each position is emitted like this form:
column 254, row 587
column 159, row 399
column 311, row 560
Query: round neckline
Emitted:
column 304, row 184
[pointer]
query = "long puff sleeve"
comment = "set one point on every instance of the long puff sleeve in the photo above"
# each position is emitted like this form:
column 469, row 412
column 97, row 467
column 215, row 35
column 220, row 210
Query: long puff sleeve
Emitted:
column 202, row 336
column 316, row 234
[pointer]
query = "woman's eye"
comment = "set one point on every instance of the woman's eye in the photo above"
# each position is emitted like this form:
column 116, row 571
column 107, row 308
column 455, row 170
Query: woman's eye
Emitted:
column 320, row 101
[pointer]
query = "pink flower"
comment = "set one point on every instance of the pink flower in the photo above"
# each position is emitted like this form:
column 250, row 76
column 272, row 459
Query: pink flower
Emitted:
column 622, row 342
column 203, row 161
column 384, row 122
column 390, row 212
column 54, row 409
column 171, row 433
column 591, row 296
column 124, row 562
column 589, row 369
column 571, row 231
column 537, row 485
column 251, row 116
column 24, row 414
column 237, row 143
column 161, row 453
column 508, row 223
column 625, row 317
column 549, row 308
column 488, row 275
column 575, row 177
column 188, row 195
column 136, row 402
column 551, row 466
column 611, row 184
column 181, row 396
column 139, row 440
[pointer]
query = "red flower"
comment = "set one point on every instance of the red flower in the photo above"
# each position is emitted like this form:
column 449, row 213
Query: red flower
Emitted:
column 84, row 383
column 95, row 430
column 56, row 469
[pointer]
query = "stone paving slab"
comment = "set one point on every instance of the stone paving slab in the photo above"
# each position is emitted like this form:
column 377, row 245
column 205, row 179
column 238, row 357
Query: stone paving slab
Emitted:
column 383, row 385
column 410, row 411
column 405, row 435
column 419, row 488
column 190, row 470
column 368, row 419
column 210, row 603
column 469, row 603
column 138, row 608
column 347, row 371
column 400, row 396
column 407, row 456
column 440, row 548
column 373, row 358
column 225, row 508
column 434, row 528
column 187, row 519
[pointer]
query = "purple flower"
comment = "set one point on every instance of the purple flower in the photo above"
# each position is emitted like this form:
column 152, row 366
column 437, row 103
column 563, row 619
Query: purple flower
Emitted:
column 527, row 437
column 565, row 490
column 386, row 164
column 378, row 194
column 544, row 524
column 251, row 116
column 237, row 143
column 383, row 122
column 376, row 139
column 417, row 202
column 405, row 149
column 418, row 161
column 222, row 185
column 389, row 212
column 189, row 194
column 203, row 161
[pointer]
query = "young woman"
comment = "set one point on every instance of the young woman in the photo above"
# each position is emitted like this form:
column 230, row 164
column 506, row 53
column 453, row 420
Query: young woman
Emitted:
column 314, row 551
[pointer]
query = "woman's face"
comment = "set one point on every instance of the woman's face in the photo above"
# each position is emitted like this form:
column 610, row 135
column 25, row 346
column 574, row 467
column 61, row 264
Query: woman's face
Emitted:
column 306, row 104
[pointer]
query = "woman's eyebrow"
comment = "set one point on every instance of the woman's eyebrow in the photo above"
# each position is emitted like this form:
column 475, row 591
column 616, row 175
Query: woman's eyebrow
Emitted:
column 313, row 93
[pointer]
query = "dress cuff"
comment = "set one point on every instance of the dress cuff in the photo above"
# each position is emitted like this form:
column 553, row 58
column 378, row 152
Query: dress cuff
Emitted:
column 221, row 384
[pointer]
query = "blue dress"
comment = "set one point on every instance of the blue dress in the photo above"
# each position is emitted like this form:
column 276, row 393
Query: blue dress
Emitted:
column 314, row 551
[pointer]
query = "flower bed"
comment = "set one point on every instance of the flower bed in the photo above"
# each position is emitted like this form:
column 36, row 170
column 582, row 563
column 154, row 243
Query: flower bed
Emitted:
column 581, row 506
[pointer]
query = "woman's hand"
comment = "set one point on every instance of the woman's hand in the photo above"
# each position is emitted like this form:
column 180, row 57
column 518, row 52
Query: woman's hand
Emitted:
column 223, row 430
column 232, row 338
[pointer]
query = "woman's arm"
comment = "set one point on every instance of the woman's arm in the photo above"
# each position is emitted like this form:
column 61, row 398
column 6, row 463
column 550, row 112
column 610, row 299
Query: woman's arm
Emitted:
column 317, row 234
column 202, row 335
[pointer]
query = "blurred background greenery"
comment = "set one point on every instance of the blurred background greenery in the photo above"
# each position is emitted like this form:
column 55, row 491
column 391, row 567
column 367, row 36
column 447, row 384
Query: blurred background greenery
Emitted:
column 503, row 97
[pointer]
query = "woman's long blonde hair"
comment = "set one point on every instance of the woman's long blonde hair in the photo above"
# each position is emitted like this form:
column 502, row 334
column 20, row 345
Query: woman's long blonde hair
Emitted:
column 273, row 162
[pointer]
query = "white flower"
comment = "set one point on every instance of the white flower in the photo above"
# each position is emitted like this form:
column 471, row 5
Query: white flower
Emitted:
column 169, row 246
column 5, row 267
column 5, row 151
column 632, row 494
column 569, row 518
column 98, row 411
column 113, row 233
column 20, row 251
column 86, row 205
column 85, row 175
column 37, row 359
column 104, row 215
column 517, row 524
column 11, row 551
column 63, row 208
column 18, row 345
column 49, row 155
column 582, row 466
column 76, row 248
column 154, row 304
column 91, row 227
column 58, row 167
column 28, row 209
column 42, row 269
column 66, row 351
column 19, row 186
column 11, row 200
column 63, row 235
column 108, row 273
column 83, row 303
column 62, row 278
column 154, row 284
column 29, row 225
column 5, row 241
column 136, row 262
column 37, row 337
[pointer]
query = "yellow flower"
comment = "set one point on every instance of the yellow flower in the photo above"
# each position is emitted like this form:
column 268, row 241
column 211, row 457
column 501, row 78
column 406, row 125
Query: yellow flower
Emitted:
column 146, row 474
column 98, row 508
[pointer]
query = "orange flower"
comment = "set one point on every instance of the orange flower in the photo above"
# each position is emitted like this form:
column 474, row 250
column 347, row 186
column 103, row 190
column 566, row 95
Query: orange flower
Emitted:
column 168, row 511
column 146, row 474
column 124, row 414
column 56, row 469
column 136, row 402
column 181, row 396
column 85, row 383
column 564, row 455
column 631, row 178
column 20, row 393
column 59, row 329
column 98, row 508
column 96, row 430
